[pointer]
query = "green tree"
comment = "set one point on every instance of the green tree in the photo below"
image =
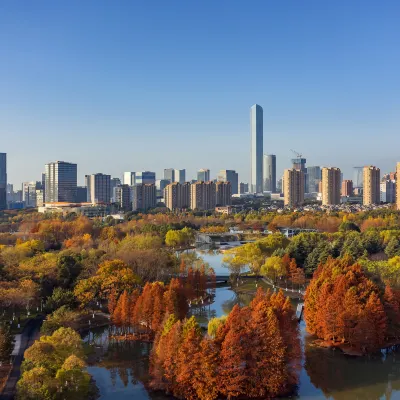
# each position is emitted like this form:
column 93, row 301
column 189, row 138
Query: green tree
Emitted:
column 393, row 247
column 273, row 268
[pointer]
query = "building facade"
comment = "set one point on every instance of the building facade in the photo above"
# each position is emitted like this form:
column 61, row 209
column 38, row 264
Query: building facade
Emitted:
column 61, row 182
column 169, row 174
column 293, row 187
column 202, row 196
column 388, row 191
column 29, row 193
column 143, row 197
column 203, row 175
column 371, row 185
column 257, row 143
column 177, row 196
column 180, row 176
column 223, row 192
column 347, row 188
column 145, row 177
column 243, row 188
column 358, row 177
column 3, row 181
column 229, row 175
column 269, row 173
column 129, row 178
column 123, row 197
column 331, row 180
column 98, row 188
column 398, row 185
column 114, row 182
column 313, row 179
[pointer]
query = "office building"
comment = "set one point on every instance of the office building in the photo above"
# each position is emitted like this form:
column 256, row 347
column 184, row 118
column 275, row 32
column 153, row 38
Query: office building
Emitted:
column 143, row 197
column 177, row 196
column 256, row 166
column 293, row 187
column 229, row 175
column 129, row 178
column 3, row 181
column 98, row 188
column 29, row 193
column 358, row 177
column 331, row 179
column 388, row 191
column 243, row 188
column 398, row 185
column 313, row 179
column 81, row 194
column 347, row 188
column 161, row 184
column 60, row 182
column 123, row 197
column 279, row 185
column 269, row 173
column 180, row 176
column 202, row 196
column 145, row 177
column 371, row 185
column 203, row 175
column 223, row 193
column 114, row 182
column 169, row 174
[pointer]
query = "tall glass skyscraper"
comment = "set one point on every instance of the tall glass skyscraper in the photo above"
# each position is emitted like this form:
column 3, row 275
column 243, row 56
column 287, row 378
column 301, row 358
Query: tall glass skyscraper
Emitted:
column 61, row 182
column 314, row 178
column 3, row 181
column 358, row 177
column 256, row 167
column 203, row 175
column 269, row 173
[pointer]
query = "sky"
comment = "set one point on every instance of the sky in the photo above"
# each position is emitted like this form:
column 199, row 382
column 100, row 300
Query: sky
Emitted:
column 145, row 85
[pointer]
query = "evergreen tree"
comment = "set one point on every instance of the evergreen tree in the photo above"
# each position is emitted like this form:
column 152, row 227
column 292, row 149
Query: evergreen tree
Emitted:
column 393, row 248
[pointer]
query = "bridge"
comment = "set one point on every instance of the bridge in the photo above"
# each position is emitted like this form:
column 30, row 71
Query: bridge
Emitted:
column 226, row 278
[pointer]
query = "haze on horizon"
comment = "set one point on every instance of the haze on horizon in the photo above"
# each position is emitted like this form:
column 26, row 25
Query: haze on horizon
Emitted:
column 133, row 86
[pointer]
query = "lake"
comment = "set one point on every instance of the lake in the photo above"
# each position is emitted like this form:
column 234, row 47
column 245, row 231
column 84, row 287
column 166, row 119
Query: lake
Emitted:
column 325, row 373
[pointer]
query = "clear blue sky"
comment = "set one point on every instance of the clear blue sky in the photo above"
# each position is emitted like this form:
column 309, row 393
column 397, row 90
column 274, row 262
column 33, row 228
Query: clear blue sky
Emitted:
column 132, row 85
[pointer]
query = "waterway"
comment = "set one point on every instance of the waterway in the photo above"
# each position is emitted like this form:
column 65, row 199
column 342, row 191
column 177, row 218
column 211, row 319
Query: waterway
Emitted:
column 325, row 373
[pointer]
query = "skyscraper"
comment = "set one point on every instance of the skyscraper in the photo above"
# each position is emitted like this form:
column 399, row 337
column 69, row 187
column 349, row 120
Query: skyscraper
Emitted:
column 314, row 178
column 143, row 197
column 269, row 173
column 358, row 177
column 123, row 197
column 388, row 191
column 114, row 182
column 347, row 188
column 169, row 174
column 3, row 181
column 223, row 192
column 129, row 178
column 177, row 196
column 61, row 182
column 371, row 182
column 203, row 175
column 398, row 185
column 29, row 193
column 180, row 176
column 331, row 178
column 98, row 188
column 293, row 187
column 256, row 166
column 229, row 175
column 202, row 196
column 145, row 177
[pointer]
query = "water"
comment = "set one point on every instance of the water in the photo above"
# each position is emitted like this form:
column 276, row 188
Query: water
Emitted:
column 326, row 374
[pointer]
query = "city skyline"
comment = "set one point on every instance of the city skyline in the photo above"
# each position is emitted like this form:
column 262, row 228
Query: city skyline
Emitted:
column 72, row 92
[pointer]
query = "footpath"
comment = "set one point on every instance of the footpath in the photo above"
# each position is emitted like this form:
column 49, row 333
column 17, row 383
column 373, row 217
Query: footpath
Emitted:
column 23, row 341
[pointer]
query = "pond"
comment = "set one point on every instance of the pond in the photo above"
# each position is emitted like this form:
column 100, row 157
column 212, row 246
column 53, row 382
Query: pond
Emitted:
column 325, row 374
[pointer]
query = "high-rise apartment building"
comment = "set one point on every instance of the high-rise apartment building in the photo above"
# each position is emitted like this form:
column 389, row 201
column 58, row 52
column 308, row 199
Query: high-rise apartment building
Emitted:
column 229, row 175
column 388, row 191
column 313, row 179
column 61, row 182
column 169, row 174
column 123, row 197
column 177, row 196
column 347, row 188
column 161, row 184
column 29, row 190
column 331, row 179
column 202, row 196
column 180, row 176
column 243, row 188
column 203, row 175
column 358, row 177
column 145, row 177
column 3, row 181
column 371, row 185
column 293, row 187
column 223, row 192
column 114, row 182
column 143, row 197
column 269, row 173
column 257, row 137
column 129, row 178
column 398, row 185
column 98, row 188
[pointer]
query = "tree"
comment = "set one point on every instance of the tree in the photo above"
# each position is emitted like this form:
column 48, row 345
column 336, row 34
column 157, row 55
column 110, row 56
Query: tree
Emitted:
column 6, row 344
column 393, row 247
column 273, row 268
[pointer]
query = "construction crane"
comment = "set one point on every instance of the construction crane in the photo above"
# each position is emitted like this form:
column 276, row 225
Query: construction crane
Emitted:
column 298, row 155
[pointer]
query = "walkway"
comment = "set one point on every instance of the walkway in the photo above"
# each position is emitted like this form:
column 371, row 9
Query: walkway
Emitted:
column 25, row 340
